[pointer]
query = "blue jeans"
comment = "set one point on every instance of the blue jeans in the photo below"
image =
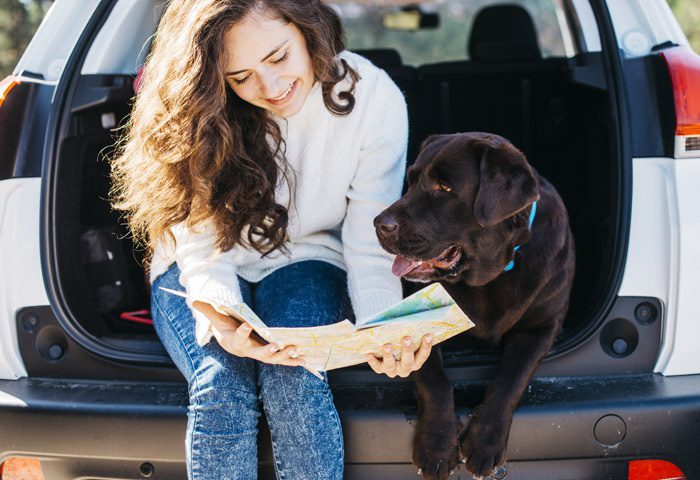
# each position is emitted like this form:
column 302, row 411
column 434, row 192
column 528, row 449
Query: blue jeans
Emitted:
column 226, row 392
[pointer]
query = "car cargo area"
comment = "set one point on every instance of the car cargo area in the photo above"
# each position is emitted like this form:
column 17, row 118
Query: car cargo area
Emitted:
column 557, row 110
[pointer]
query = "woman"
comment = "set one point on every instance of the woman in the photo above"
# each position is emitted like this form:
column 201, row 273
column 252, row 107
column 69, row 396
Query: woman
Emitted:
column 257, row 155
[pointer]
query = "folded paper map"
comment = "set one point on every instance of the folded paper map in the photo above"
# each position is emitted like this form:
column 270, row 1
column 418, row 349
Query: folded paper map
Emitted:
column 428, row 311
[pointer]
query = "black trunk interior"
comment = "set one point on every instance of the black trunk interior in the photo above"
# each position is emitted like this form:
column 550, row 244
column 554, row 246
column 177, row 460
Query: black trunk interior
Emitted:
column 556, row 110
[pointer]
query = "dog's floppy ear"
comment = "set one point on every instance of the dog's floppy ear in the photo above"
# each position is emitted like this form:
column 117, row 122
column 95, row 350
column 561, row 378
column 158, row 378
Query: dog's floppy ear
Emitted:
column 506, row 186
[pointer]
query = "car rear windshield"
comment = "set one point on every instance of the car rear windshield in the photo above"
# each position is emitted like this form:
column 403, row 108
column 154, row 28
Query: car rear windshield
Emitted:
column 444, row 34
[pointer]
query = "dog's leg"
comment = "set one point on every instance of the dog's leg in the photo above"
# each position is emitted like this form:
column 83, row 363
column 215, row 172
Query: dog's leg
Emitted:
column 483, row 444
column 435, row 450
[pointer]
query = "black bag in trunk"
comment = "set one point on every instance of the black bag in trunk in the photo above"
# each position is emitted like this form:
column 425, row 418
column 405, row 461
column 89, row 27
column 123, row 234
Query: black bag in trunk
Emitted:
column 117, row 284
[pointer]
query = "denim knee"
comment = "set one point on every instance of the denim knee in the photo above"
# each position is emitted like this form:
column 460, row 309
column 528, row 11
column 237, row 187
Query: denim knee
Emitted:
column 308, row 293
column 227, row 395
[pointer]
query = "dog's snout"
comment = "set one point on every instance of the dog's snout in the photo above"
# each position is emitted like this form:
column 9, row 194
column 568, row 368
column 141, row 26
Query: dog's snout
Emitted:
column 386, row 224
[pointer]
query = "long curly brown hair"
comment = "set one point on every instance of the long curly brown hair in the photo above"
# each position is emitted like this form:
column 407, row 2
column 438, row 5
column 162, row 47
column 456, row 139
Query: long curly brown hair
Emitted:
column 192, row 150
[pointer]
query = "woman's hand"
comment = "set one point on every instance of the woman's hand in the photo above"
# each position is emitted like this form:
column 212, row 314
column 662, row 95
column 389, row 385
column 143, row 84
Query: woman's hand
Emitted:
column 235, row 338
column 410, row 362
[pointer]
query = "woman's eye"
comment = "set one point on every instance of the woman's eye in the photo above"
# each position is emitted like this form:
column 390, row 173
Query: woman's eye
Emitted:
column 242, row 80
column 282, row 58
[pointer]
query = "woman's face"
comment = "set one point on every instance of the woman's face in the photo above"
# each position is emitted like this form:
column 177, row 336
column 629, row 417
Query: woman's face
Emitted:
column 268, row 63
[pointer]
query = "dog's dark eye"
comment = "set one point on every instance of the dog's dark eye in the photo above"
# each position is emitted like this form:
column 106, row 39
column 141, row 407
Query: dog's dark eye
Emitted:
column 442, row 186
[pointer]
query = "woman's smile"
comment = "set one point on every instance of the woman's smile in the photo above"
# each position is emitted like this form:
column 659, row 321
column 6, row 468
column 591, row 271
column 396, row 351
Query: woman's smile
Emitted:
column 285, row 97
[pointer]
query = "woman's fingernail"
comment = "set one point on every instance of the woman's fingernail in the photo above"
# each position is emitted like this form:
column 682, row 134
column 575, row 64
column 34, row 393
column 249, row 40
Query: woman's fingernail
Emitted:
column 407, row 342
column 428, row 338
column 293, row 353
column 245, row 327
column 387, row 349
column 273, row 349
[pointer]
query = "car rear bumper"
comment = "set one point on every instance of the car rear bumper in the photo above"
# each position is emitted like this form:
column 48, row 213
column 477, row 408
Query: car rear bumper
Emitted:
column 108, row 430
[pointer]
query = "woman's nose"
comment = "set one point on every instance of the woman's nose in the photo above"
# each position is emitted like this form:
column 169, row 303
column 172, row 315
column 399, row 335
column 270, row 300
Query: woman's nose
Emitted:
column 269, row 85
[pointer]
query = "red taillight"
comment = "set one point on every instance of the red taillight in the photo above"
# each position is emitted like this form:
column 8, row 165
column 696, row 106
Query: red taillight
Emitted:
column 684, row 68
column 20, row 468
column 654, row 470
column 7, row 84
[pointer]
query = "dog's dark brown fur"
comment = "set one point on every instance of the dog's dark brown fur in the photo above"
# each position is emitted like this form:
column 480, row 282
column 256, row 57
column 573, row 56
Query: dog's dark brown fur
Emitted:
column 469, row 197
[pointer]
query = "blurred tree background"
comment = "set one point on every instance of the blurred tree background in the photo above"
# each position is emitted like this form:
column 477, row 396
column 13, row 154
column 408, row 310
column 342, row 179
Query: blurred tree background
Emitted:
column 20, row 18
column 688, row 15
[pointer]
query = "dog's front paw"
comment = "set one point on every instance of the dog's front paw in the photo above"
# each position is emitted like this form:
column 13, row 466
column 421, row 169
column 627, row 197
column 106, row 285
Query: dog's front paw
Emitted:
column 435, row 446
column 482, row 447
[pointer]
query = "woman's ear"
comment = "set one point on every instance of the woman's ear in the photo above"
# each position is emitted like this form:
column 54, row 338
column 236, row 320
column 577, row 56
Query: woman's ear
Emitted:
column 507, row 184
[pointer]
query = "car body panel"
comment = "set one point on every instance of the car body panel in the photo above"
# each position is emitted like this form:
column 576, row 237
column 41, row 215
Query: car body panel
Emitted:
column 653, row 257
column 685, row 355
column 21, row 280
column 52, row 44
column 639, row 26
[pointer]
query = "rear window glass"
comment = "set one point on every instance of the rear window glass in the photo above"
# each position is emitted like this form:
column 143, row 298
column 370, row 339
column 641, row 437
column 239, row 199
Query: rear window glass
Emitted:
column 364, row 28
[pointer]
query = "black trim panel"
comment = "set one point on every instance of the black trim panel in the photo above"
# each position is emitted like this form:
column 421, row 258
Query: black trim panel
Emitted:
column 23, row 119
column 47, row 351
column 652, row 109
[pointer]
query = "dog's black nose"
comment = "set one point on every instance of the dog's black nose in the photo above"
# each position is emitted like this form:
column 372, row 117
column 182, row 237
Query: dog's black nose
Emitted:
column 386, row 224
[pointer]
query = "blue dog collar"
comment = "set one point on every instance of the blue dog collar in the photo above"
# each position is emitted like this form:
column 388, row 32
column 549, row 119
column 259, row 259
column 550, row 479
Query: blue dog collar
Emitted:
column 511, row 264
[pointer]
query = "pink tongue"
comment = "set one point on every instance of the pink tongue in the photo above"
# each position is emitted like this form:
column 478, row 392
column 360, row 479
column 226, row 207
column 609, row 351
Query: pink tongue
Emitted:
column 402, row 266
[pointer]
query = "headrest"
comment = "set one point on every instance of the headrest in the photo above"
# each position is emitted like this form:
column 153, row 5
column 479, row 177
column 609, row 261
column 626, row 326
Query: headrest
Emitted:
column 503, row 33
column 381, row 57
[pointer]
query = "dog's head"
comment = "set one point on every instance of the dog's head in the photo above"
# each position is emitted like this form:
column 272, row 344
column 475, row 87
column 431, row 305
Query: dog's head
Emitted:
column 465, row 210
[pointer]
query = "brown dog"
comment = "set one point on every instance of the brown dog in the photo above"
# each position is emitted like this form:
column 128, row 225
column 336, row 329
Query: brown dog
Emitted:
column 465, row 221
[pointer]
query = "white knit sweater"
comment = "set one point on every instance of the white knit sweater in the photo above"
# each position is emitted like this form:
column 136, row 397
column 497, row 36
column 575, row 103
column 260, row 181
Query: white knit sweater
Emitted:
column 347, row 170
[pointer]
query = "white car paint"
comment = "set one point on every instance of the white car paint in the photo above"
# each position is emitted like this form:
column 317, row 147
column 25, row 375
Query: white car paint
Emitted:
column 663, row 258
column 52, row 44
column 685, row 354
column 21, row 281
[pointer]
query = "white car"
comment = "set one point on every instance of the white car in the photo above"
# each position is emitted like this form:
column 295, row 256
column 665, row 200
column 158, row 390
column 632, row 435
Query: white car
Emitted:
column 603, row 96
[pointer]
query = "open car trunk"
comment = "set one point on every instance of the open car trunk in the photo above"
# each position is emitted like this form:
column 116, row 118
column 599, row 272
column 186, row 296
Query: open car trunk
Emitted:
column 557, row 111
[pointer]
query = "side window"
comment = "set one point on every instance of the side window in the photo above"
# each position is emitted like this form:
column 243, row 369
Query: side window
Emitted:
column 364, row 24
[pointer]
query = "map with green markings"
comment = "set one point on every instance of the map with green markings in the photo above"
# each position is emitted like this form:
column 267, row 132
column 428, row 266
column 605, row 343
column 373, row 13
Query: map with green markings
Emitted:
column 428, row 311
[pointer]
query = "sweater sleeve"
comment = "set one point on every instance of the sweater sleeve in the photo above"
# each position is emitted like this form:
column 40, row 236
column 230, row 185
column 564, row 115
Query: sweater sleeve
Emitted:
column 376, row 185
column 205, row 273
